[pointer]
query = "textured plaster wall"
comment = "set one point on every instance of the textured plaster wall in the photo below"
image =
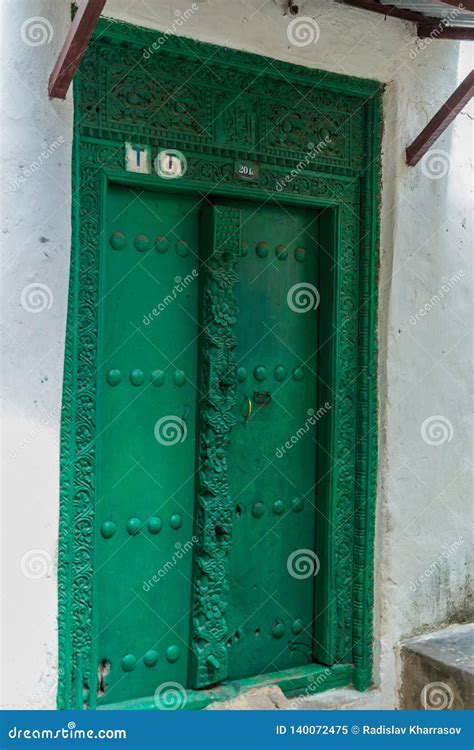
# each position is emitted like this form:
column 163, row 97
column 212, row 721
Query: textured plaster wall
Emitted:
column 424, row 489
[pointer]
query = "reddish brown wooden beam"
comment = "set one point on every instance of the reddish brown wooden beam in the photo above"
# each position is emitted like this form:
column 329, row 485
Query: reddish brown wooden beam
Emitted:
column 390, row 10
column 75, row 45
column 467, row 5
column 440, row 31
column 438, row 124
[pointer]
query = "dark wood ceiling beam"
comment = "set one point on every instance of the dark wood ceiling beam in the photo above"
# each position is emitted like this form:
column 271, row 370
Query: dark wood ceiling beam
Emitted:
column 390, row 10
column 438, row 124
column 440, row 31
column 464, row 5
column 75, row 45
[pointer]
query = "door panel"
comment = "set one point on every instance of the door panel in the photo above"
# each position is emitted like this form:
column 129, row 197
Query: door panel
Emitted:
column 270, row 610
column 146, row 404
column 170, row 413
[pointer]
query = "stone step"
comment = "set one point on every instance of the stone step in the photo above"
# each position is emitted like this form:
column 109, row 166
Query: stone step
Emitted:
column 438, row 670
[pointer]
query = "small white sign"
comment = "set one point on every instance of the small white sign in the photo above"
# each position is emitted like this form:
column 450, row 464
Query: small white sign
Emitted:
column 137, row 158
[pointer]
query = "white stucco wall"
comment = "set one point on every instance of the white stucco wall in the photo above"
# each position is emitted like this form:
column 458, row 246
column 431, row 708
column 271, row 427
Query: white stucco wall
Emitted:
column 424, row 490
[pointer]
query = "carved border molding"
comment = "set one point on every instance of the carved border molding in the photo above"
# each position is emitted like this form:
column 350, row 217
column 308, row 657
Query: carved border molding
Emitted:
column 348, row 184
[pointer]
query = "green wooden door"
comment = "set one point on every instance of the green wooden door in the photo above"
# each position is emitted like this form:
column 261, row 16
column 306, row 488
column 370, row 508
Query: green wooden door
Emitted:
column 206, row 442
column 272, row 452
column 146, row 442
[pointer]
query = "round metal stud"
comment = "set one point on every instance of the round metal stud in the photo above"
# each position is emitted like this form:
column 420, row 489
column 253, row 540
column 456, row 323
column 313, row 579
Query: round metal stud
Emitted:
column 297, row 504
column 300, row 254
column 141, row 243
column 114, row 377
column 262, row 249
column 176, row 521
column 278, row 629
column 241, row 374
column 161, row 244
column 297, row 626
column 244, row 248
column 258, row 509
column 172, row 653
column 155, row 524
column 137, row 377
column 133, row 525
column 129, row 662
column 150, row 658
column 157, row 378
column 278, row 507
column 179, row 377
column 117, row 240
column 182, row 248
column 281, row 252
column 280, row 373
column 260, row 373
column 108, row 529
column 298, row 373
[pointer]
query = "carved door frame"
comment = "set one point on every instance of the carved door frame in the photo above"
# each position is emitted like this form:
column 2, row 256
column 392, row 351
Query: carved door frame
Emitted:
column 113, row 99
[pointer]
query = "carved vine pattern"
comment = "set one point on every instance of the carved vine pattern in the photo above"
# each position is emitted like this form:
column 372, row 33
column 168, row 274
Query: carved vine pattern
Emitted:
column 218, row 386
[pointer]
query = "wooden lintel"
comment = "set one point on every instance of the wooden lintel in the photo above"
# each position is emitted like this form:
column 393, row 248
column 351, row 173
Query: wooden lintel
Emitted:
column 389, row 10
column 438, row 124
column 75, row 45
column 463, row 5
column 442, row 31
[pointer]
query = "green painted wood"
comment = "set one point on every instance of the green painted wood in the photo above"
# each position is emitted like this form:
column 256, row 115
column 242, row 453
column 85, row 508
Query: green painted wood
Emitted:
column 272, row 453
column 146, row 417
column 305, row 682
column 220, row 248
column 116, row 100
